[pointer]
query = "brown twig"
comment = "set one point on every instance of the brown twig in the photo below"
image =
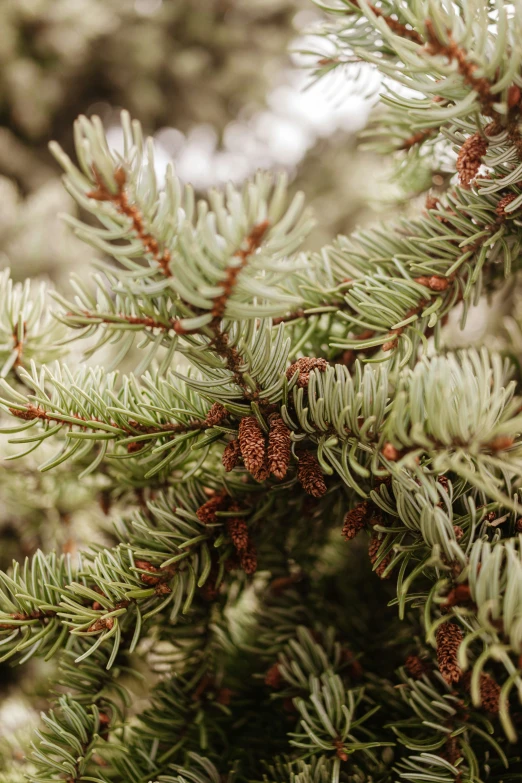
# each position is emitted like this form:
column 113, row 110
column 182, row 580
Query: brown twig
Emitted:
column 121, row 201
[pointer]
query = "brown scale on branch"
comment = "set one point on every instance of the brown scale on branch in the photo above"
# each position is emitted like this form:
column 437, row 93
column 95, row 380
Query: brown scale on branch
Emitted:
column 19, row 344
column 232, row 359
column 31, row 412
column 374, row 549
column 310, row 475
column 38, row 614
column 501, row 443
column 416, row 667
column 120, row 199
column 434, row 283
column 390, row 453
column 253, row 447
column 448, row 638
column 443, row 481
column 417, row 138
column 252, row 243
column 105, row 722
column 340, row 751
column 273, row 677
column 279, row 446
column 431, row 202
column 109, row 318
column 459, row 533
column 231, row 455
column 304, row 367
column 107, row 623
column 452, row 753
column 156, row 577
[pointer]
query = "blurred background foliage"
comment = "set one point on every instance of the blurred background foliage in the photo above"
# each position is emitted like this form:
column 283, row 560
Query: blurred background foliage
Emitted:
column 211, row 80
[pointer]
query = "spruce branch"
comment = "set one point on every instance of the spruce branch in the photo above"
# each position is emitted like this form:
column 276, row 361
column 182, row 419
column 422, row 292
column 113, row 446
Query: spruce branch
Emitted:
column 27, row 330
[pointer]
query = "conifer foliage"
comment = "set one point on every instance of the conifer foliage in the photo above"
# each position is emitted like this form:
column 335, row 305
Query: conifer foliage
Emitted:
column 292, row 424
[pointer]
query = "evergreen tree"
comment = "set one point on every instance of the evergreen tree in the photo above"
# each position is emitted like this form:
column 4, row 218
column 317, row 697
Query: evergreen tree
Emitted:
column 293, row 423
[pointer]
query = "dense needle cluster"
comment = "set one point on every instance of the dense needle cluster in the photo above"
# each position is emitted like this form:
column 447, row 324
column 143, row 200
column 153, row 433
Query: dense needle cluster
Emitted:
column 310, row 548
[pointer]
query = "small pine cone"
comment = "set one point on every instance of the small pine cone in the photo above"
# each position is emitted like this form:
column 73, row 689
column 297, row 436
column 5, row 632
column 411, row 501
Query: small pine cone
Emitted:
column 273, row 677
column 216, row 414
column 373, row 551
column 238, row 532
column 278, row 447
column 304, row 366
column 469, row 158
column 416, row 667
column 310, row 475
column 489, row 694
column 207, row 512
column 354, row 520
column 252, row 445
column 449, row 637
column 248, row 559
column 231, row 455
column 504, row 202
